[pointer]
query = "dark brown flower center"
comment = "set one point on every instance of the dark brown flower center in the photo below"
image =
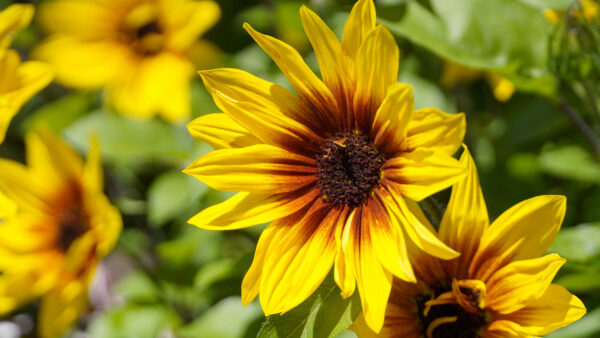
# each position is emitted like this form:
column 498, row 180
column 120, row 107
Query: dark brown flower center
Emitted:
column 348, row 169
column 449, row 320
column 72, row 224
column 149, row 28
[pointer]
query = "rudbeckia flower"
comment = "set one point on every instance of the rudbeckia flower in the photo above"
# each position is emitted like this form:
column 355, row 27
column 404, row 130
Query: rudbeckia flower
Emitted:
column 140, row 51
column 498, row 287
column 56, row 227
column 337, row 167
column 18, row 81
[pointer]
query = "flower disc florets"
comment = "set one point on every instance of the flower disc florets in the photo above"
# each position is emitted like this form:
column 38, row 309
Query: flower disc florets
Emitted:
column 348, row 169
column 449, row 320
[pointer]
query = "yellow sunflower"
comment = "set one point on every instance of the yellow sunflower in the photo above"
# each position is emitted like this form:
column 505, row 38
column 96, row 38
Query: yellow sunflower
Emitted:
column 18, row 81
column 337, row 167
column 498, row 287
column 141, row 51
column 56, row 226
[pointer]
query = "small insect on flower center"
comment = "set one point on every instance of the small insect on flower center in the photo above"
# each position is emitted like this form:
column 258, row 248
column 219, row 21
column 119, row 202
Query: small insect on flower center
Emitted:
column 348, row 169
column 448, row 319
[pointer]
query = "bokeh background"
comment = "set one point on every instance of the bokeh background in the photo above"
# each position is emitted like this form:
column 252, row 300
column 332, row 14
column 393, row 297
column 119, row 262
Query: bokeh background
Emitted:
column 527, row 78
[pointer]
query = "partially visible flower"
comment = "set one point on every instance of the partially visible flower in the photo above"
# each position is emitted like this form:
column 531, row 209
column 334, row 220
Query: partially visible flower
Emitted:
column 498, row 287
column 140, row 51
column 337, row 167
column 588, row 10
column 56, row 227
column 18, row 81
column 454, row 74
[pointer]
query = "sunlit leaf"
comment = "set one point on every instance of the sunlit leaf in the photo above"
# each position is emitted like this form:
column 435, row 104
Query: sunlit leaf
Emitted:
column 570, row 162
column 578, row 243
column 324, row 314
column 478, row 34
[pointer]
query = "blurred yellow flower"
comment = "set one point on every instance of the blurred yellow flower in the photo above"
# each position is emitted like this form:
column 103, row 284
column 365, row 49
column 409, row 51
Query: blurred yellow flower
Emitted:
column 140, row 51
column 56, row 227
column 454, row 74
column 498, row 287
column 588, row 10
column 18, row 81
column 337, row 167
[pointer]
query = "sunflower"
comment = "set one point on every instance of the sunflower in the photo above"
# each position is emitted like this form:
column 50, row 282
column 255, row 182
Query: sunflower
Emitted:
column 337, row 167
column 19, row 81
column 56, row 226
column 140, row 51
column 498, row 287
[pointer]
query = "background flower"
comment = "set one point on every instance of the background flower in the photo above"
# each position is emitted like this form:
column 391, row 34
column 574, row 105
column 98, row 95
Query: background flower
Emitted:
column 141, row 51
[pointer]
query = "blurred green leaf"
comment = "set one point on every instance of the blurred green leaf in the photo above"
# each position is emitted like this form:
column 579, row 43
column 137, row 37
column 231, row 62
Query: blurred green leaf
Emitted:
column 581, row 282
column 324, row 314
column 137, row 287
column 478, row 34
column 570, row 162
column 172, row 193
column 62, row 112
column 427, row 93
column 134, row 321
column 128, row 142
column 226, row 319
column 193, row 246
column 578, row 243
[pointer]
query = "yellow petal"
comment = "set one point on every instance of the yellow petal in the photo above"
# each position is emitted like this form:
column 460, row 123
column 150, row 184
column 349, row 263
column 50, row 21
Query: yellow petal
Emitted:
column 388, row 240
column 465, row 218
column 8, row 207
column 84, row 64
column 308, row 86
column 505, row 329
column 392, row 117
column 61, row 308
column 422, row 173
column 258, row 168
column 221, row 131
column 299, row 258
column 93, row 177
column 343, row 272
column 422, row 236
column 15, row 291
column 360, row 23
column 524, row 231
column 434, row 129
column 89, row 20
column 399, row 322
column 51, row 158
column 376, row 69
column 556, row 308
column 502, row 87
column 23, row 187
column 374, row 282
column 13, row 19
column 188, row 20
column 251, row 282
column 267, row 110
column 20, row 82
column 329, row 54
column 141, row 90
column 248, row 209
column 512, row 286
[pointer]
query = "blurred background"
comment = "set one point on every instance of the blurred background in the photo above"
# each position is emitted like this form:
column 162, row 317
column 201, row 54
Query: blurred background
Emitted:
column 525, row 72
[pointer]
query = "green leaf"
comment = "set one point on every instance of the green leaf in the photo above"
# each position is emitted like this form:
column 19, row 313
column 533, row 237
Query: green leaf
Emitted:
column 134, row 321
column 570, row 162
column 193, row 246
column 506, row 36
column 171, row 194
column 128, row 142
column 137, row 287
column 324, row 314
column 60, row 113
column 226, row 319
column 578, row 243
column 581, row 282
